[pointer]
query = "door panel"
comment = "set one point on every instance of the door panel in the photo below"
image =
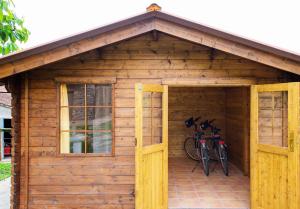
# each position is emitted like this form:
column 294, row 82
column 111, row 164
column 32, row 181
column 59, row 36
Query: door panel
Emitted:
column 274, row 151
column 151, row 158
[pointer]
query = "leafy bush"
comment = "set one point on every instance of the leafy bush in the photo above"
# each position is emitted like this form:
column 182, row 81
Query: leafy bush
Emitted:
column 5, row 170
column 12, row 30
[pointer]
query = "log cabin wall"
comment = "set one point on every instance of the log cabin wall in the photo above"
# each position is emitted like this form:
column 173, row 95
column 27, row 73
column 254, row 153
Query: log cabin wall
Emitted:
column 14, row 86
column 207, row 102
column 238, row 126
column 87, row 182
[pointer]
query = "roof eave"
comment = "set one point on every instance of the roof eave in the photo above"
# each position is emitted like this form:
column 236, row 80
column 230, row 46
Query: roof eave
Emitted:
column 281, row 55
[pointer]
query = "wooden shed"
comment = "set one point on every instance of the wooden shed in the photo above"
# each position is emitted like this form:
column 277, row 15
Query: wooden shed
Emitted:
column 98, row 118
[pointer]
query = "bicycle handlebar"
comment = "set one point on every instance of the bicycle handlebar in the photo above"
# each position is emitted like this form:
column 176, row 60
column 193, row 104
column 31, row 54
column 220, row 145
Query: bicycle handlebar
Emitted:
column 211, row 121
column 196, row 119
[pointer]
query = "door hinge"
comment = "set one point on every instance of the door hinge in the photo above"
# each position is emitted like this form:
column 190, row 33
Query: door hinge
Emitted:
column 133, row 193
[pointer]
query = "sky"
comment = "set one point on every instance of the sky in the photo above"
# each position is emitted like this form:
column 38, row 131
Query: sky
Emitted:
column 273, row 22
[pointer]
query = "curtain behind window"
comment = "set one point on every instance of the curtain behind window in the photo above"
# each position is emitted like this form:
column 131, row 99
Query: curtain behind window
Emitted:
column 64, row 120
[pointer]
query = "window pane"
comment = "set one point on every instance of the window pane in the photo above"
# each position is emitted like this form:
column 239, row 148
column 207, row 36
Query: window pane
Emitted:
column 72, row 118
column 81, row 125
column 99, row 118
column 99, row 142
column 77, row 144
column 72, row 142
column 273, row 118
column 99, row 95
column 152, row 118
column 75, row 95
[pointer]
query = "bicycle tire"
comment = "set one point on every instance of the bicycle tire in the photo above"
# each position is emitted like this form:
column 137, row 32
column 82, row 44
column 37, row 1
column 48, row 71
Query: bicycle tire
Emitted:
column 191, row 149
column 205, row 159
column 224, row 159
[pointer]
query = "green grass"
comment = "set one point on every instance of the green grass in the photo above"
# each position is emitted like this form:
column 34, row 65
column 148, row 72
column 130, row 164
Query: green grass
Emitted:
column 5, row 170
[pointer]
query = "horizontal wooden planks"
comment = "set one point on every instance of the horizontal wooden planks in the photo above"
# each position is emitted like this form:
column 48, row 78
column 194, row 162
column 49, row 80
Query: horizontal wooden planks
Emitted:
column 54, row 179
column 80, row 199
column 238, row 127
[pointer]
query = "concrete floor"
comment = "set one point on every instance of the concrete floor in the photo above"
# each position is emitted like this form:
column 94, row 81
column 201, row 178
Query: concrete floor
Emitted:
column 5, row 193
column 189, row 189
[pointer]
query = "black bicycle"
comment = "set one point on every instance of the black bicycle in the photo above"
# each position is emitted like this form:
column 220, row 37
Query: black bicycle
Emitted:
column 196, row 147
column 219, row 146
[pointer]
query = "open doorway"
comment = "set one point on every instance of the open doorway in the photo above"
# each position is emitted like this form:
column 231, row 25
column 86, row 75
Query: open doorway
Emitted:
column 229, row 106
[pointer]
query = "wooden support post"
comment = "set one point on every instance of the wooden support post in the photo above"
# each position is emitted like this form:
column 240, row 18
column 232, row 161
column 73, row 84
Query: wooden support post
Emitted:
column 155, row 35
column 246, row 130
column 212, row 54
column 26, row 144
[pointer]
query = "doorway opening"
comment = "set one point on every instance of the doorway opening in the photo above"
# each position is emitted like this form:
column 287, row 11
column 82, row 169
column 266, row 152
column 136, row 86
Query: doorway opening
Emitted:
column 230, row 108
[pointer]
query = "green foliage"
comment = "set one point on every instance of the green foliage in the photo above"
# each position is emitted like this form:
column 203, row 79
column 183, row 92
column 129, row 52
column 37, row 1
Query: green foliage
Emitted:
column 5, row 170
column 12, row 30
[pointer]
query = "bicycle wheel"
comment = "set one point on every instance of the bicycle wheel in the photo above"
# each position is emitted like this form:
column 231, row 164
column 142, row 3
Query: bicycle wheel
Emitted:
column 190, row 148
column 223, row 158
column 204, row 159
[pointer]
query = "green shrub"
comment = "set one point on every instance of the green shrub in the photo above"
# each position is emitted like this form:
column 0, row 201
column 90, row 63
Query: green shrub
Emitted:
column 5, row 170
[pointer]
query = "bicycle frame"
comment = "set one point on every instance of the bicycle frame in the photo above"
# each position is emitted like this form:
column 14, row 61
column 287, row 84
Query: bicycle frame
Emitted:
column 198, row 135
column 200, row 139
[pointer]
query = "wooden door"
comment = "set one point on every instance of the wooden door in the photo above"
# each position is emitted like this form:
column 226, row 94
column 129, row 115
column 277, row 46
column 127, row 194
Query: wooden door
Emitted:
column 151, row 152
column 275, row 146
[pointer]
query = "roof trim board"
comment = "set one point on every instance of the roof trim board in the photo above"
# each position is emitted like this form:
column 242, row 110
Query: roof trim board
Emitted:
column 132, row 27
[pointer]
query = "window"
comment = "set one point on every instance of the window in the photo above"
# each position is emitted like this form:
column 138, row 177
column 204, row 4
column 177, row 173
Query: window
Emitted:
column 86, row 112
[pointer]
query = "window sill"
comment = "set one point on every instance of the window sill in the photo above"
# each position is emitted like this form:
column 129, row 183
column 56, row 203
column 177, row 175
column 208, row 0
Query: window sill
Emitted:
column 85, row 155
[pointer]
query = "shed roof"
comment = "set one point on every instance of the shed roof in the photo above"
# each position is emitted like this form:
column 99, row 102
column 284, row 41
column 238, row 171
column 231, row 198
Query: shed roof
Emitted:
column 137, row 25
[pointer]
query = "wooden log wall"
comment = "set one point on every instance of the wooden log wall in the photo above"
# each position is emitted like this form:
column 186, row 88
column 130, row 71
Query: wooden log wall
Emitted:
column 238, row 127
column 88, row 182
column 14, row 86
column 207, row 102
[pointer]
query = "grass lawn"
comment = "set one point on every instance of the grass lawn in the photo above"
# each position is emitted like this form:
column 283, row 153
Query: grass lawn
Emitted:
column 5, row 171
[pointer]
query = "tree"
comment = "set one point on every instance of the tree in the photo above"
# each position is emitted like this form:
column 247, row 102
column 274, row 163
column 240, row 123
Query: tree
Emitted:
column 12, row 30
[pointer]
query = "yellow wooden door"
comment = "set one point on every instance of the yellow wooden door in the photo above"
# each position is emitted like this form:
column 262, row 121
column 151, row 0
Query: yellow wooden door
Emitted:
column 275, row 155
column 151, row 151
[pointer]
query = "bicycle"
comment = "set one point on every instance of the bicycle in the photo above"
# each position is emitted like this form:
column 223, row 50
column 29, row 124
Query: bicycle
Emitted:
column 219, row 146
column 196, row 147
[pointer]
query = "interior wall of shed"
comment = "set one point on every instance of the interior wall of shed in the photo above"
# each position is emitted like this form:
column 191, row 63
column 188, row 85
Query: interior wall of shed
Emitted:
column 228, row 105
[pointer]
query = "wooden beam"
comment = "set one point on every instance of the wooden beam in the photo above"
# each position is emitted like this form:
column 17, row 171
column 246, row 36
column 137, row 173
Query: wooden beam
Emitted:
column 26, row 143
column 69, row 50
column 91, row 80
column 203, row 82
column 155, row 35
column 246, row 130
column 99, row 52
column 228, row 46
column 212, row 54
